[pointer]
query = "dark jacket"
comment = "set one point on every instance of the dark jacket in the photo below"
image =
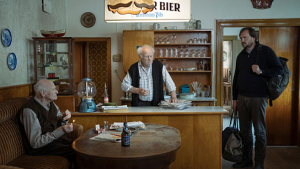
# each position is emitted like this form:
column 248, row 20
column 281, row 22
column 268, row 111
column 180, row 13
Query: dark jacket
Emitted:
column 158, row 93
column 248, row 83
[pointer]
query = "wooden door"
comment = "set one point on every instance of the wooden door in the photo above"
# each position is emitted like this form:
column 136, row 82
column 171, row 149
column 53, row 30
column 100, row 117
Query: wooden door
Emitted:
column 132, row 39
column 281, row 118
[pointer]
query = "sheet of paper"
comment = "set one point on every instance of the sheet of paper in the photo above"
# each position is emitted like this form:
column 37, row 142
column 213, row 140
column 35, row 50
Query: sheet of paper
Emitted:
column 108, row 136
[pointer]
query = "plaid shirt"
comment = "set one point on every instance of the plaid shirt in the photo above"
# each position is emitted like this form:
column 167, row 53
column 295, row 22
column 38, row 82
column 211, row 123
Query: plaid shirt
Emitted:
column 146, row 81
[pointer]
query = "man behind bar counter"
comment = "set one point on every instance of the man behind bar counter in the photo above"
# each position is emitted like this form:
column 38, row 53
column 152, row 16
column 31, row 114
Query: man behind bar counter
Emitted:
column 145, row 80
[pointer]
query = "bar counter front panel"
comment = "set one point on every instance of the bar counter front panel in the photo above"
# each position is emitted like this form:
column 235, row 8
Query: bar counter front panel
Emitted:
column 200, row 130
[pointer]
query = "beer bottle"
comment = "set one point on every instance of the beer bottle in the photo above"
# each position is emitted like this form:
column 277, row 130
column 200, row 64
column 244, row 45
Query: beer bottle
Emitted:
column 105, row 95
column 125, row 136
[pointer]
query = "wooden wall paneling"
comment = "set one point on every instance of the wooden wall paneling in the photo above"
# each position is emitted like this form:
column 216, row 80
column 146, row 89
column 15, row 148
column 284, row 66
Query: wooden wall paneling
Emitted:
column 12, row 92
column 131, row 39
column 66, row 102
column 279, row 118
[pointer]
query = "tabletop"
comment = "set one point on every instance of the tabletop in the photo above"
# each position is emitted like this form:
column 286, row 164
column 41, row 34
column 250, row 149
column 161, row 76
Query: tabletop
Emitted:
column 154, row 143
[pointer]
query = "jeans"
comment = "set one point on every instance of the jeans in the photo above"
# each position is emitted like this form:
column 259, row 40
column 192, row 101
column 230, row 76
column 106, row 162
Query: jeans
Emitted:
column 252, row 110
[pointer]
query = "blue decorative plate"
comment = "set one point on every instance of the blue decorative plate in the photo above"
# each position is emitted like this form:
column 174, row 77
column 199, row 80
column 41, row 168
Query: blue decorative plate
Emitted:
column 6, row 38
column 12, row 61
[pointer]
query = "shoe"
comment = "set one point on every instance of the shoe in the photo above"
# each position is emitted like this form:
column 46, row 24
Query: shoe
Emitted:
column 242, row 164
column 259, row 166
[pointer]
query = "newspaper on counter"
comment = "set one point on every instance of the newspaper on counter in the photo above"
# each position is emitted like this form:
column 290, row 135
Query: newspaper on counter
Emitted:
column 182, row 104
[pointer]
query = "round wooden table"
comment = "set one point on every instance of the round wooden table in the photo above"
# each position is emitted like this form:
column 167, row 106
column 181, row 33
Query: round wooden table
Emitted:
column 152, row 148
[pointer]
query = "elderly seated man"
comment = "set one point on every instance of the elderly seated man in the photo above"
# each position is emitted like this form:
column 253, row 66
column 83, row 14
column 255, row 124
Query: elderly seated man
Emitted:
column 43, row 125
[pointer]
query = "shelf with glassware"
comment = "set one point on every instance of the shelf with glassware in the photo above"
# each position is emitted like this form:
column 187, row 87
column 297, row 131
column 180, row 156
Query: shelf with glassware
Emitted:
column 187, row 55
column 53, row 60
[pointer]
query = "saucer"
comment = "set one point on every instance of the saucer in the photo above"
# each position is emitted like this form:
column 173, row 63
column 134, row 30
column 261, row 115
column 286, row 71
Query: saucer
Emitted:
column 6, row 38
column 12, row 61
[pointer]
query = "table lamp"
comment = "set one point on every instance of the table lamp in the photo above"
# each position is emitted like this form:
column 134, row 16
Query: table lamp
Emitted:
column 86, row 91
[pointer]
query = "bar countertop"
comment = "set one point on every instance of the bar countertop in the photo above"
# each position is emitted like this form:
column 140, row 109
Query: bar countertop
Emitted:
column 198, row 99
column 155, row 110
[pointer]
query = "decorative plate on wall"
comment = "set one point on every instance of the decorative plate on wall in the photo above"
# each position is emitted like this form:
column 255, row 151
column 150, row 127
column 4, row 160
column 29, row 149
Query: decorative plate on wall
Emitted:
column 12, row 61
column 88, row 19
column 6, row 38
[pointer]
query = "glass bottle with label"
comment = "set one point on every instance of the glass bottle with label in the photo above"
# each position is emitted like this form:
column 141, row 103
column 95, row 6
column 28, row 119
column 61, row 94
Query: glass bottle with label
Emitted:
column 105, row 95
column 125, row 136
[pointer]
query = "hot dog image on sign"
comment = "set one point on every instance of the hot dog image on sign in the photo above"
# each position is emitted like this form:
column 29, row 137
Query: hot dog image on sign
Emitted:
column 133, row 7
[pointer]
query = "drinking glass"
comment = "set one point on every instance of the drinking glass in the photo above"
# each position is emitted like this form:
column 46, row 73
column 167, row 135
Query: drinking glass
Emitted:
column 160, row 52
column 171, row 52
column 166, row 52
column 187, row 53
column 106, row 125
column 175, row 52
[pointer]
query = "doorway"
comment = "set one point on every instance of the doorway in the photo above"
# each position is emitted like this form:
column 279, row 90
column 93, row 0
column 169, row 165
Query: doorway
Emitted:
column 93, row 60
column 278, row 134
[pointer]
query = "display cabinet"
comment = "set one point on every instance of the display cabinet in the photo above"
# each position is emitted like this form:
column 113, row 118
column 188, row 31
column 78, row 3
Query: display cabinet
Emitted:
column 53, row 60
column 187, row 55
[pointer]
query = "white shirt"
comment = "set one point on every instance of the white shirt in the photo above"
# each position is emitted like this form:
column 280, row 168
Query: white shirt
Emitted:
column 146, row 81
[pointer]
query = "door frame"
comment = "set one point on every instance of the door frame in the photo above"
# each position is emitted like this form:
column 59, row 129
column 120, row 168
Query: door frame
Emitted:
column 108, row 56
column 220, row 24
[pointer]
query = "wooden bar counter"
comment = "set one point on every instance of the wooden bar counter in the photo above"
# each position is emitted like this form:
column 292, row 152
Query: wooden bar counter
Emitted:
column 200, row 130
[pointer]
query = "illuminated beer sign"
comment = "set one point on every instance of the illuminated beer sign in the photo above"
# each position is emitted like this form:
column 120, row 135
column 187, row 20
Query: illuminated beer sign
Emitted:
column 147, row 11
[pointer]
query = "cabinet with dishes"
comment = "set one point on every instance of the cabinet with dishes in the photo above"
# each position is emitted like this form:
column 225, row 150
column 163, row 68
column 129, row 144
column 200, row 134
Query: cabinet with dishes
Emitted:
column 187, row 55
column 53, row 60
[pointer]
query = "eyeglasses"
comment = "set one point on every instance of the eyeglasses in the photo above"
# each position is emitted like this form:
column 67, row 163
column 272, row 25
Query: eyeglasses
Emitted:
column 149, row 56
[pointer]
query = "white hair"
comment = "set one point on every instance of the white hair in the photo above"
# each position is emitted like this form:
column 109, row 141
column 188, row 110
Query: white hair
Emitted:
column 140, row 49
column 40, row 85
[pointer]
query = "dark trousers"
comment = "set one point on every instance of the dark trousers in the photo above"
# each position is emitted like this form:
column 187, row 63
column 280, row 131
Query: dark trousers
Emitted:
column 145, row 103
column 252, row 110
column 59, row 147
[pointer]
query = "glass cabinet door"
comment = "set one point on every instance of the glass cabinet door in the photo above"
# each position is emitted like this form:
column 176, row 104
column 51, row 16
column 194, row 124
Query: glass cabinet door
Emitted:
column 53, row 59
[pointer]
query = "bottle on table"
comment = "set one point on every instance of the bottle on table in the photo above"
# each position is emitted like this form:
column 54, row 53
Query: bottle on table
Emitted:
column 125, row 136
column 105, row 95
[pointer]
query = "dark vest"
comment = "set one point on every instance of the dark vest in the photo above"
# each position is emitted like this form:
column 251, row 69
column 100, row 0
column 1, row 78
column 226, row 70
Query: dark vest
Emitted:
column 48, row 121
column 158, row 93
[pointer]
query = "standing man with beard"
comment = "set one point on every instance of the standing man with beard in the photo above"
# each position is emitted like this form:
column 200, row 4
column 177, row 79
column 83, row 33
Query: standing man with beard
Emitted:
column 145, row 80
column 250, row 95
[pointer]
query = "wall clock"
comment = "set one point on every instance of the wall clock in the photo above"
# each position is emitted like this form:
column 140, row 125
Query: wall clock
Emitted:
column 6, row 37
column 12, row 61
column 88, row 19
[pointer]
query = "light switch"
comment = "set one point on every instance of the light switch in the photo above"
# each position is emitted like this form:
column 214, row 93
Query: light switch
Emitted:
column 117, row 58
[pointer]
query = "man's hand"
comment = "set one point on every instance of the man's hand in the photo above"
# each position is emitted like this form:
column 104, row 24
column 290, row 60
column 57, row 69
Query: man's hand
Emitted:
column 143, row 92
column 67, row 115
column 173, row 97
column 234, row 105
column 67, row 128
column 255, row 69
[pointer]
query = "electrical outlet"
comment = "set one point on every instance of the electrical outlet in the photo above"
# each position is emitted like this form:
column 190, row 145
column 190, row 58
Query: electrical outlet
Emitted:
column 117, row 58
